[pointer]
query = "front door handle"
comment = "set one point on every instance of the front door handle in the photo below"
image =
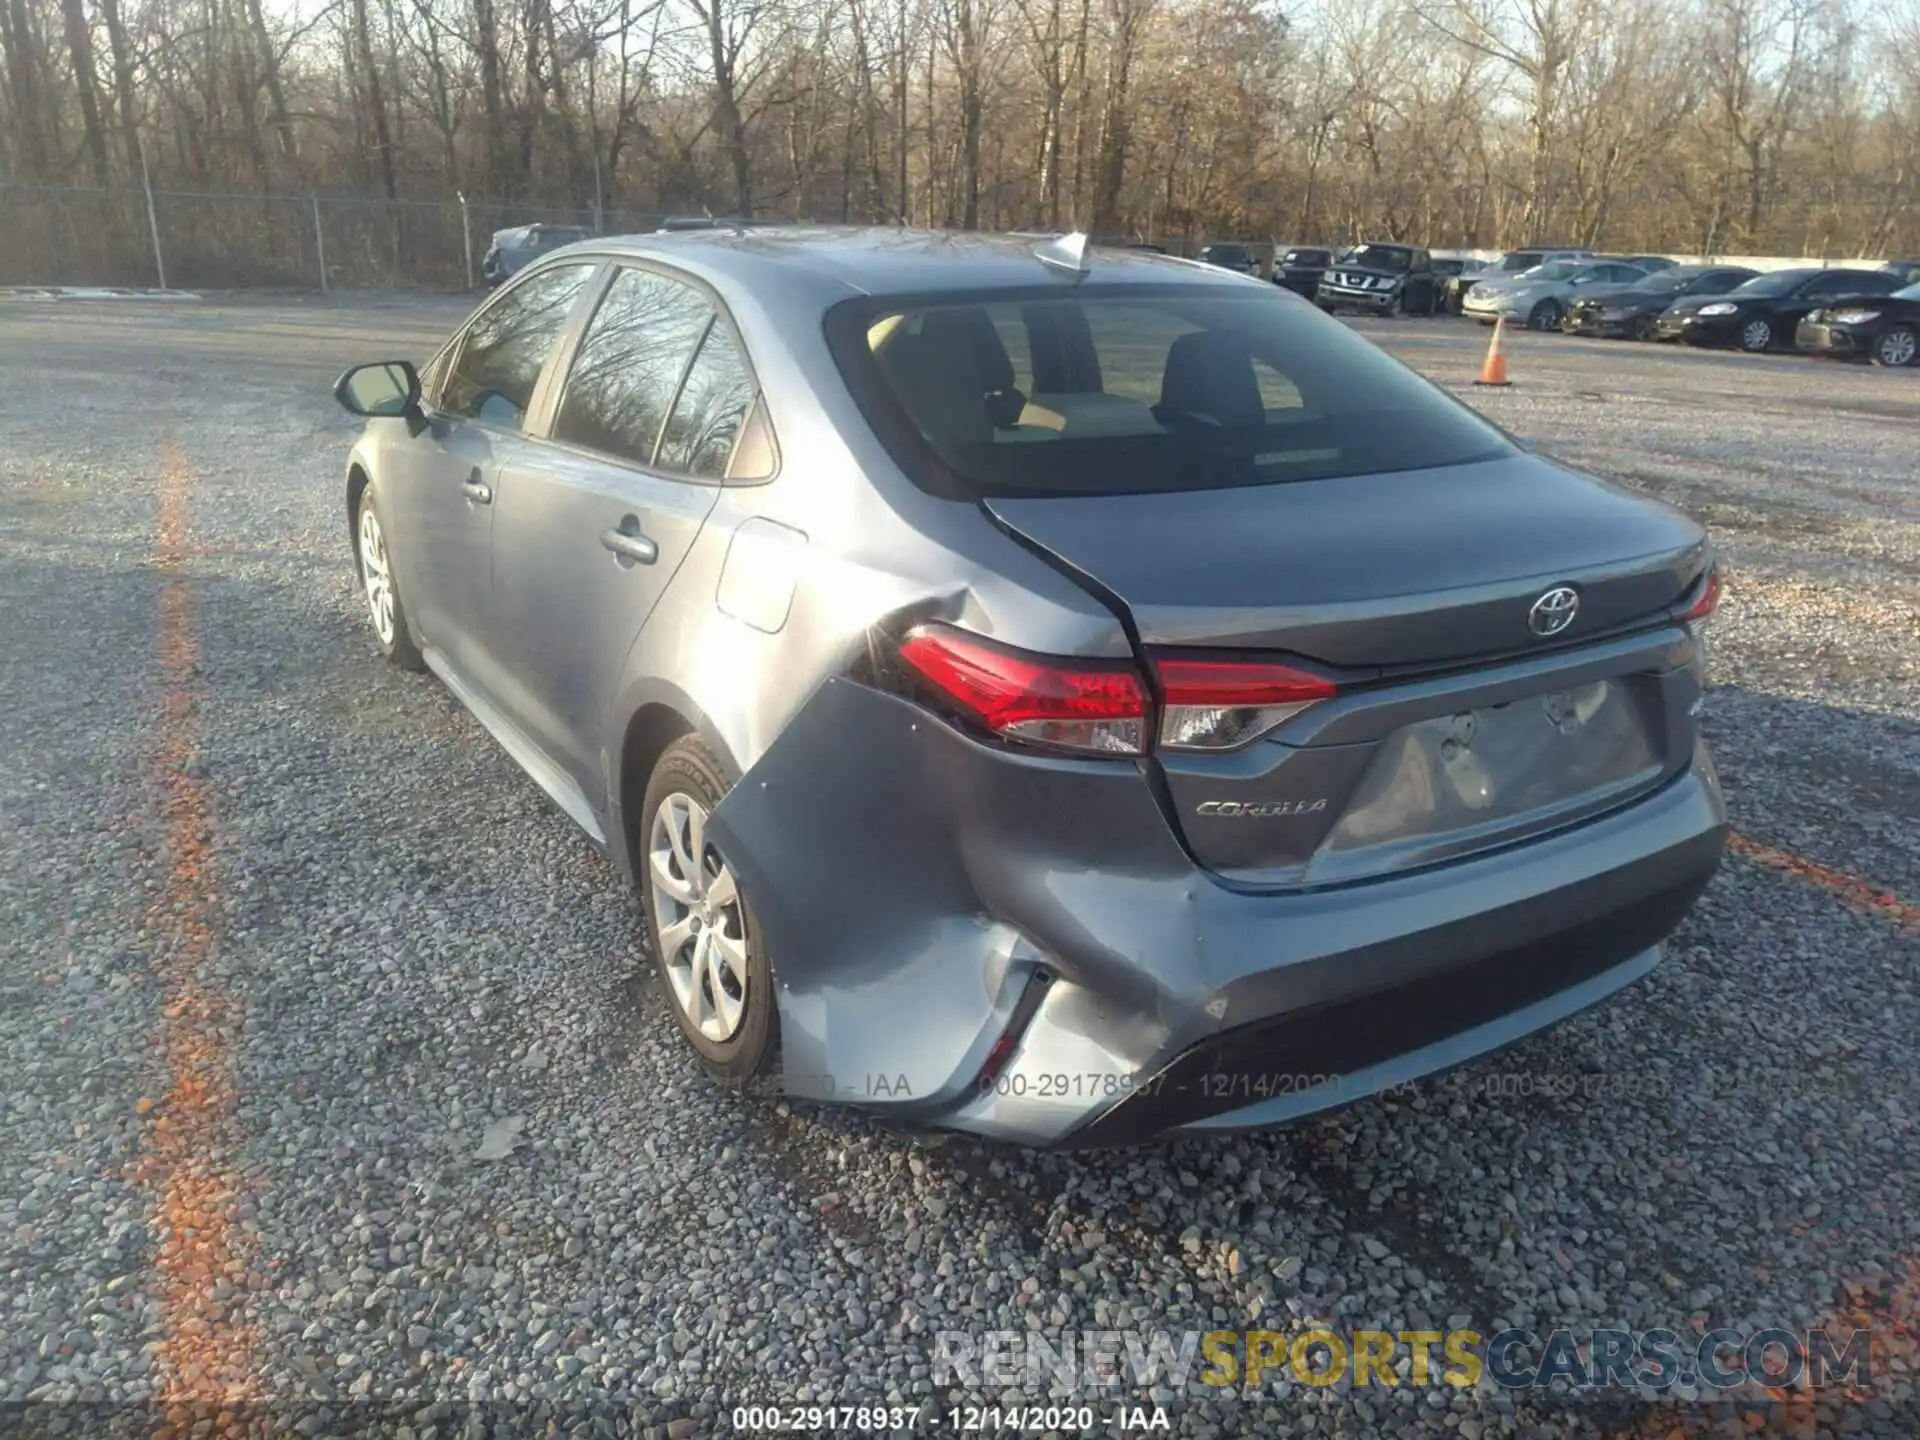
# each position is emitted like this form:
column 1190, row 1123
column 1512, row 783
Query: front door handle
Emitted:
column 630, row 544
column 477, row 491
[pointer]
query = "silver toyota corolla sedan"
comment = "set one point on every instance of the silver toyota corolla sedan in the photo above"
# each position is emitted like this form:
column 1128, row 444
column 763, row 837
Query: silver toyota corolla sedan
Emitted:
column 1067, row 695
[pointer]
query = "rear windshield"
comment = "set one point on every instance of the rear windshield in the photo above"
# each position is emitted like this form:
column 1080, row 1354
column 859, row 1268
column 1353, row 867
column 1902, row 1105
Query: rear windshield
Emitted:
column 1307, row 257
column 1141, row 388
column 1521, row 260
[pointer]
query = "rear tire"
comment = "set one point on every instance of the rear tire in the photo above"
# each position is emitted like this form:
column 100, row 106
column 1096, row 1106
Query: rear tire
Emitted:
column 1756, row 336
column 1545, row 316
column 1897, row 346
column 709, row 963
column 380, row 587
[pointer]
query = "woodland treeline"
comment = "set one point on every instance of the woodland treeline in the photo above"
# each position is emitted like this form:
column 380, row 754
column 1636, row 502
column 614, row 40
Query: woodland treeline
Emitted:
column 1720, row 126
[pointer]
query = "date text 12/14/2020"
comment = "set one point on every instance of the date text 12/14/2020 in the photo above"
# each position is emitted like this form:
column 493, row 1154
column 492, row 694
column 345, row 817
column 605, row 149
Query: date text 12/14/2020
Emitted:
column 959, row 1419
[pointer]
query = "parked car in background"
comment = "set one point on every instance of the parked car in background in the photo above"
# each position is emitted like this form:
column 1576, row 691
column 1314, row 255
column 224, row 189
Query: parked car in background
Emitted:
column 1230, row 255
column 1382, row 280
column 514, row 249
column 1907, row 270
column 1635, row 311
column 1300, row 269
column 1538, row 298
column 1514, row 262
column 1648, row 263
column 1884, row 330
column 674, row 224
column 1448, row 273
column 1763, row 313
column 1207, row 695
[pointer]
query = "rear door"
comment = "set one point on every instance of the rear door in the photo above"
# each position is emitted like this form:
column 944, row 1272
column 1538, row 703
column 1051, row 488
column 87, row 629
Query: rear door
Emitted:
column 590, row 531
column 440, row 490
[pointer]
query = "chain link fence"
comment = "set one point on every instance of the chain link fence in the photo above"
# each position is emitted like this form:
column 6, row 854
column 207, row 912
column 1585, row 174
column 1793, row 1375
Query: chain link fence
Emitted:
column 65, row 235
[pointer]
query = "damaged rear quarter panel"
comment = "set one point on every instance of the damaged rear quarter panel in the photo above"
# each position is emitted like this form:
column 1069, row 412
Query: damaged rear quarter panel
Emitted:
column 895, row 868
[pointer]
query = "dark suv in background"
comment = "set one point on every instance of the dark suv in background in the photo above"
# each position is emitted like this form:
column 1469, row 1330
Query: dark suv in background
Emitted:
column 1381, row 279
column 1230, row 255
column 1300, row 267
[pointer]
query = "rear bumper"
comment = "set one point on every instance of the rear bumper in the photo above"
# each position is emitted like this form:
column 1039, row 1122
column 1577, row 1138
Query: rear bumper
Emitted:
column 918, row 890
column 1419, row 1020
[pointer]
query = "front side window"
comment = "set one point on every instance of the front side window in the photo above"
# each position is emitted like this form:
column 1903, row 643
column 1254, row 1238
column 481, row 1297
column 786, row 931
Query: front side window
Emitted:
column 1853, row 282
column 507, row 346
column 630, row 363
column 1142, row 388
column 1775, row 282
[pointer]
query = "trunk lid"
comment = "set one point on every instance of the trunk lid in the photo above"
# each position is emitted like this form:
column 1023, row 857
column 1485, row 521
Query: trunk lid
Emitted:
column 1419, row 568
column 1456, row 728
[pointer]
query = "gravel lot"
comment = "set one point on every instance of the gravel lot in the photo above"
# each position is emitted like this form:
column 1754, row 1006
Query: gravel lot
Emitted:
column 284, row 936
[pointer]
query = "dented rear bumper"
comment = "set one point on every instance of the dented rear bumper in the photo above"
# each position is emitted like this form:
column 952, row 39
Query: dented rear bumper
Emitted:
column 912, row 884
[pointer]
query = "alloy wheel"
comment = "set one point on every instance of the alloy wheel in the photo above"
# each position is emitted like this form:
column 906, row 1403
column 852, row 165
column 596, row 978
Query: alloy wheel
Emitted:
column 1756, row 335
column 375, row 574
column 1897, row 347
column 698, row 917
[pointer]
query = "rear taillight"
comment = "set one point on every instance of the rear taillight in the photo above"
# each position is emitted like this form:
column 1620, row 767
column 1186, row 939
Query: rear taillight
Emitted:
column 1092, row 706
column 1220, row 704
column 1709, row 600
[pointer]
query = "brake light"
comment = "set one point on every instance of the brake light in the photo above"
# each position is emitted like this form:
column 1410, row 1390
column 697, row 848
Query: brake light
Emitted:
column 1093, row 706
column 1224, row 704
column 1709, row 600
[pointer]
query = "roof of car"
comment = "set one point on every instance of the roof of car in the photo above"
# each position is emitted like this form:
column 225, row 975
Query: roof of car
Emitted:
column 876, row 260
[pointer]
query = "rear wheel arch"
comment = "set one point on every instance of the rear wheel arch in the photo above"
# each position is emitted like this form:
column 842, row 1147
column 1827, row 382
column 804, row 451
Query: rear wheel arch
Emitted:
column 649, row 731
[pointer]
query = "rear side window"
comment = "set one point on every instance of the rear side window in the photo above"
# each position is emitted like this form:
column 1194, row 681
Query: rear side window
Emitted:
column 712, row 405
column 508, row 345
column 630, row 363
column 1143, row 388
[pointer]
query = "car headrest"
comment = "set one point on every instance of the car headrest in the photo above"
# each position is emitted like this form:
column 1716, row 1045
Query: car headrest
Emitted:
column 1209, row 377
column 940, row 388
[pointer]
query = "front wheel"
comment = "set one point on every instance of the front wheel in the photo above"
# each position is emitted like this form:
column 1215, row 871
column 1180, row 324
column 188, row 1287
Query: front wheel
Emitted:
column 1545, row 316
column 708, row 956
column 1897, row 346
column 1646, row 328
column 1755, row 336
column 381, row 587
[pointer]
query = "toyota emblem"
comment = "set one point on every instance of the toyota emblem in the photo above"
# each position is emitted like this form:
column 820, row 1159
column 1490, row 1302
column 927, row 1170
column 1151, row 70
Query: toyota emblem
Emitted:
column 1553, row 611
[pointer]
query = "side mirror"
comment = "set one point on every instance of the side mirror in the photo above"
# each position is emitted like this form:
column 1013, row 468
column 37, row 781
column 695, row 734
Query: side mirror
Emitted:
column 384, row 388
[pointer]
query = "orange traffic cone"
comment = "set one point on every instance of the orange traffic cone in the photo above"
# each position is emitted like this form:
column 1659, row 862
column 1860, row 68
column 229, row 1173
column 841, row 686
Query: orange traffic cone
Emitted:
column 1494, row 371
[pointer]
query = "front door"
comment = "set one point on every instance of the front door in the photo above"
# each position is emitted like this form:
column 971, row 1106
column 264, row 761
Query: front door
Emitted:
column 456, row 467
column 585, row 542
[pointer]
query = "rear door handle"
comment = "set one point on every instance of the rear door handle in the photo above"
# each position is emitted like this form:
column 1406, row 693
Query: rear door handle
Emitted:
column 477, row 491
column 630, row 545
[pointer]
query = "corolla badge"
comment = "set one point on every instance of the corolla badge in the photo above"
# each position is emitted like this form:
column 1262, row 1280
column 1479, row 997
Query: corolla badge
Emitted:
column 1553, row 611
